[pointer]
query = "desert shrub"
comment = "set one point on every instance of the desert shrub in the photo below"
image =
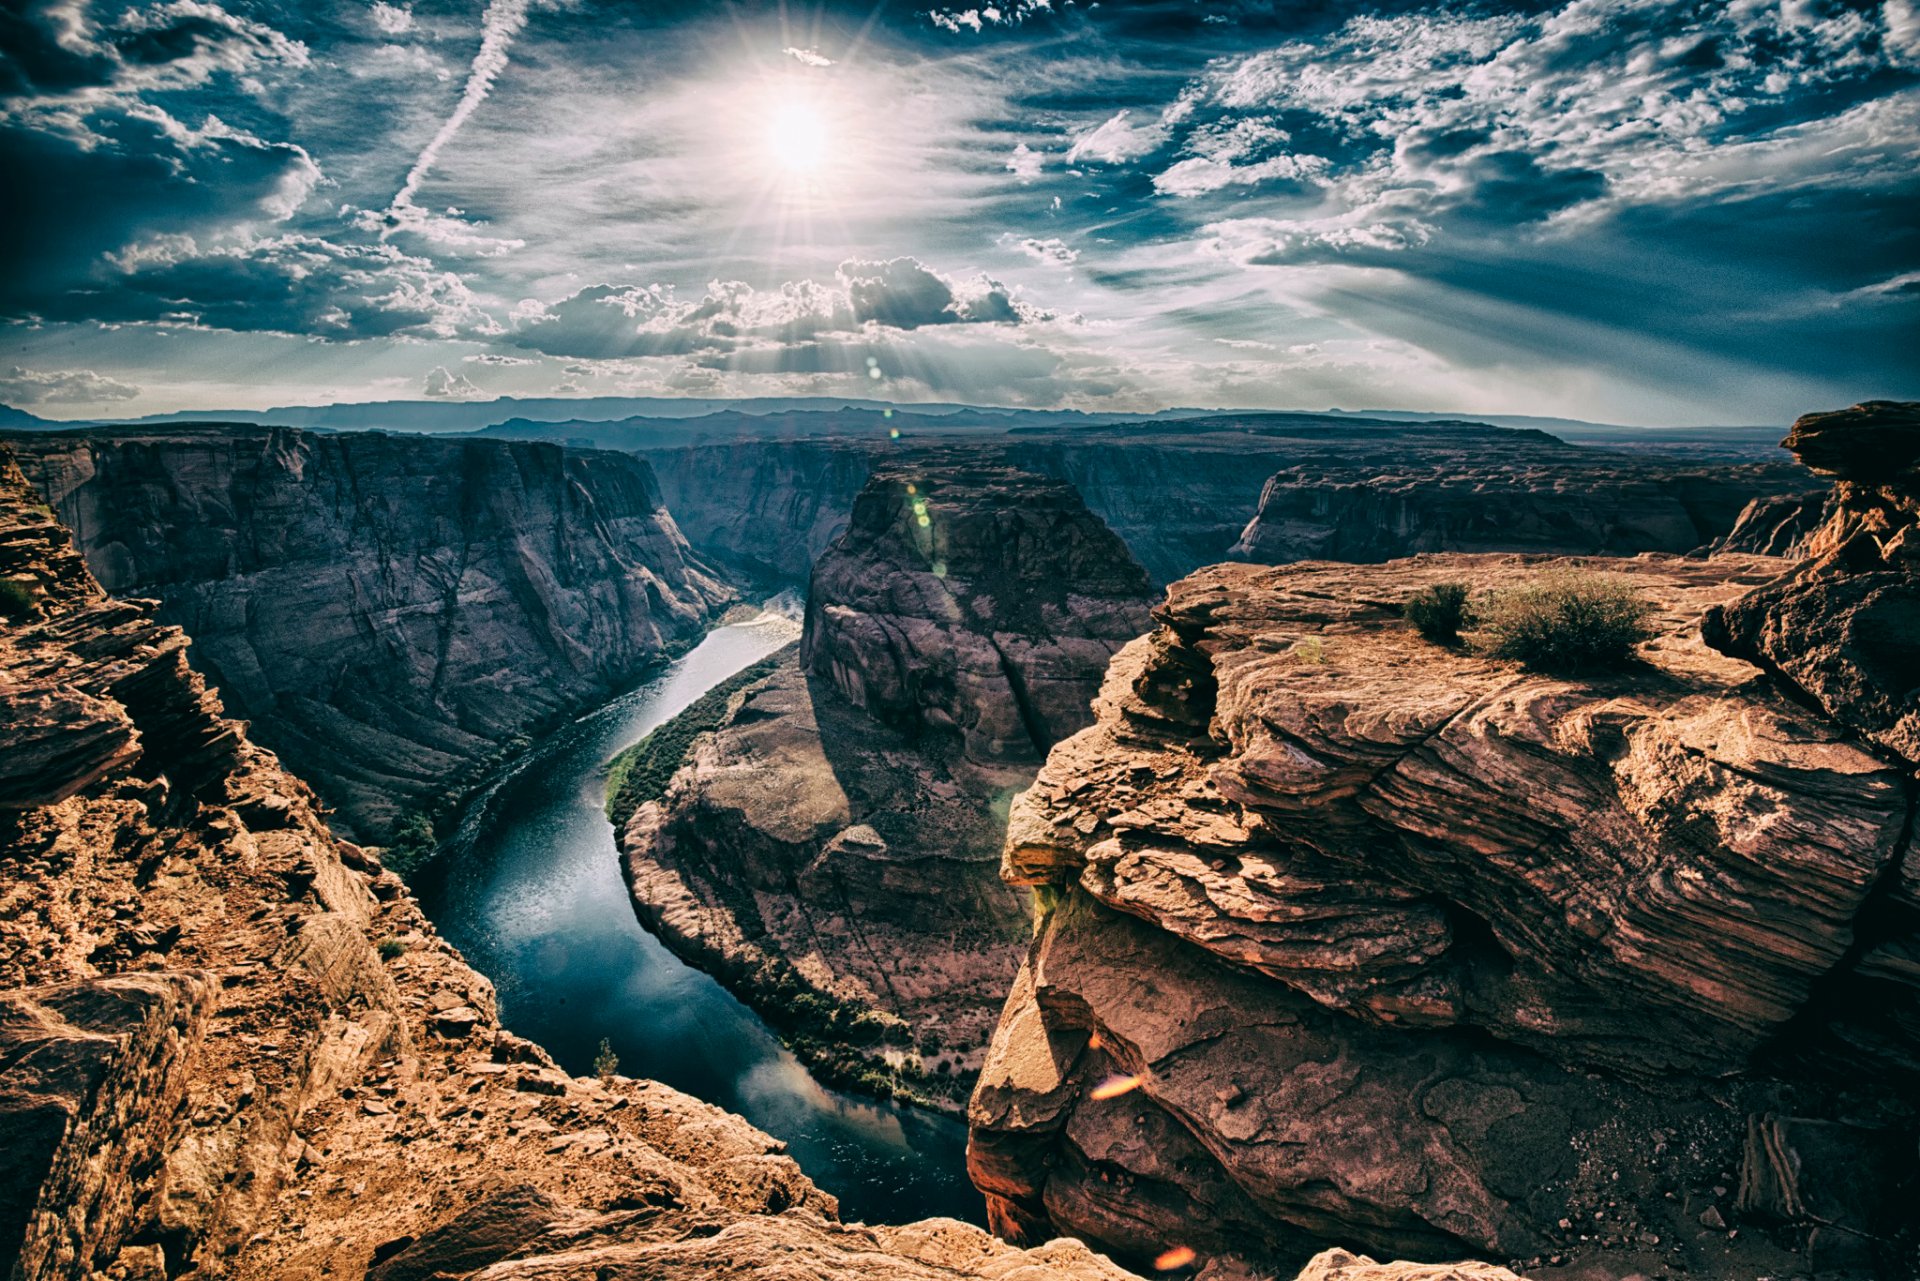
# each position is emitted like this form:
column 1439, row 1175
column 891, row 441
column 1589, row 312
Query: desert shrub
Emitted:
column 1439, row 612
column 1312, row 651
column 17, row 599
column 1566, row 621
column 605, row 1061
column 392, row 949
column 412, row 845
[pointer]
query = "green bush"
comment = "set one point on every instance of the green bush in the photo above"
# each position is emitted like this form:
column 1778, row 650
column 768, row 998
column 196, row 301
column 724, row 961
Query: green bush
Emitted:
column 605, row 1061
column 1439, row 612
column 412, row 846
column 392, row 949
column 17, row 599
column 1566, row 621
column 642, row 772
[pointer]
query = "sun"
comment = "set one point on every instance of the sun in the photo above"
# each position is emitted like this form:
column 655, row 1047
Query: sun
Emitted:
column 797, row 136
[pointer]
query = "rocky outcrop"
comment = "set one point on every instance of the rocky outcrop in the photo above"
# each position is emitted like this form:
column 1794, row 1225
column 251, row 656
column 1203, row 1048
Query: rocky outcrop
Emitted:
column 387, row 611
column 765, row 509
column 1356, row 938
column 1520, row 497
column 1843, row 631
column 829, row 847
column 974, row 601
column 231, row 1046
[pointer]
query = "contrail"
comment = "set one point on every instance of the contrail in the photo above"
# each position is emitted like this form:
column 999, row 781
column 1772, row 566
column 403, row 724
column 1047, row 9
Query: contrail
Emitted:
column 502, row 21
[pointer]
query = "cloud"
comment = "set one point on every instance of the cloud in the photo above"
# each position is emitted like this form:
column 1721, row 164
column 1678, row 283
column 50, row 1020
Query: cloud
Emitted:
column 606, row 322
column 807, row 57
column 1025, row 163
column 73, row 64
column 501, row 22
column 498, row 359
column 281, row 284
column 391, row 19
column 62, row 387
column 441, row 383
column 1115, row 141
column 1051, row 250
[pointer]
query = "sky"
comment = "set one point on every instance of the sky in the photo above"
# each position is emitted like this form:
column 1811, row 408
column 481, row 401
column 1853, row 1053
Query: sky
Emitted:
column 1632, row 211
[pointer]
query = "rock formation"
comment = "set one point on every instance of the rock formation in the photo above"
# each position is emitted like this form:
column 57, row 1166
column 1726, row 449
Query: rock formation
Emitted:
column 1843, row 631
column 829, row 848
column 387, row 611
column 1521, row 496
column 230, row 1046
column 972, row 600
column 1357, row 938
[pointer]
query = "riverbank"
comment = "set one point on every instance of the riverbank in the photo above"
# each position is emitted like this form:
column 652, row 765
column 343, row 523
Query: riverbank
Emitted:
column 527, row 889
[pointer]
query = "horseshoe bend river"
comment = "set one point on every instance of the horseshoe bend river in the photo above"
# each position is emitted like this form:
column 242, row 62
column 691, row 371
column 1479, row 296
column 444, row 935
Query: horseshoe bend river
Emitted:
column 529, row 888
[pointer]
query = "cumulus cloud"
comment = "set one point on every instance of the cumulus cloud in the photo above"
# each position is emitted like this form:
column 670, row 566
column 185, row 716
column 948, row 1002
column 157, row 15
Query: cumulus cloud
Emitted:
column 61, row 387
column 807, row 57
column 499, row 359
column 618, row 321
column 391, row 19
column 441, row 383
column 1051, row 250
column 1025, row 163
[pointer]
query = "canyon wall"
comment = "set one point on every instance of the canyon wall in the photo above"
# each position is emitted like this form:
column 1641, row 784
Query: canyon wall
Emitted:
column 829, row 847
column 1526, row 499
column 1183, row 495
column 1355, row 937
column 231, row 1046
column 387, row 611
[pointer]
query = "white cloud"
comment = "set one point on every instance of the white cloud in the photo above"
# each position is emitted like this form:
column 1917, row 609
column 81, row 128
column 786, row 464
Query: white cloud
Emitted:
column 442, row 383
column 1051, row 250
column 1025, row 163
column 807, row 57
column 391, row 19
column 61, row 387
column 497, row 359
column 1115, row 140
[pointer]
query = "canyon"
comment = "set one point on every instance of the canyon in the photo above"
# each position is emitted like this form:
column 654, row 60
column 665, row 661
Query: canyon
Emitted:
column 829, row 845
column 1353, row 934
column 1319, row 937
column 391, row 614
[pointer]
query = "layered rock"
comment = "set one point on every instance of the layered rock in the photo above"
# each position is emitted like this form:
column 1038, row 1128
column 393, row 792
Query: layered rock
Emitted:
column 1844, row 630
column 387, row 611
column 1520, row 498
column 1362, row 939
column 972, row 600
column 231, row 1046
column 766, row 509
column 829, row 847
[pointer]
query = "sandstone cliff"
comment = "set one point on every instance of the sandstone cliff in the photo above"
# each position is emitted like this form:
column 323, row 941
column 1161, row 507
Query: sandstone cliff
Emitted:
column 1363, row 939
column 387, row 611
column 1518, row 497
column 829, row 848
column 230, row 1046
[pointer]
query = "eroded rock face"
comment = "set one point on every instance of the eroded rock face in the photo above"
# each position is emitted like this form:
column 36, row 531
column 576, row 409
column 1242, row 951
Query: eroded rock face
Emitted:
column 387, row 611
column 231, row 1046
column 830, row 847
column 1413, row 950
column 1522, row 496
column 974, row 601
column 1844, row 630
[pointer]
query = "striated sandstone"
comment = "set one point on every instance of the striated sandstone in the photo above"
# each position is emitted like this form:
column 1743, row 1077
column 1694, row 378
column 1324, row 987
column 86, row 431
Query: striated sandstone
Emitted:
column 829, row 848
column 386, row 611
column 975, row 601
column 230, row 1046
column 1413, row 950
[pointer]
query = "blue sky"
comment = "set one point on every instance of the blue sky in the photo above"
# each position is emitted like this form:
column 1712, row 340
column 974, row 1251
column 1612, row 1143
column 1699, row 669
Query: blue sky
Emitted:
column 1631, row 210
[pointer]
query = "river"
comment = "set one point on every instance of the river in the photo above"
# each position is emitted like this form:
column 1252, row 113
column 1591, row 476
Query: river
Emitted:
column 529, row 888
